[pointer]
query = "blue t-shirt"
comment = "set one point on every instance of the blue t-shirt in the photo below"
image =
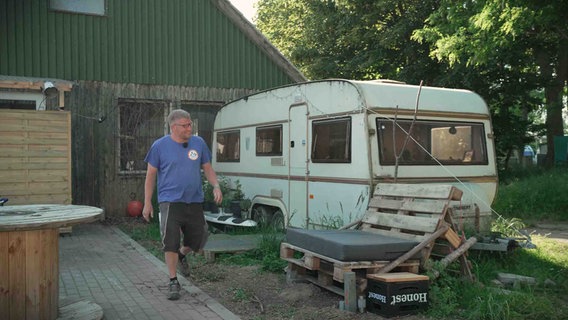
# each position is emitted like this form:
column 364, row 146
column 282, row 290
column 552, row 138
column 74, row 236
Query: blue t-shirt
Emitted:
column 179, row 168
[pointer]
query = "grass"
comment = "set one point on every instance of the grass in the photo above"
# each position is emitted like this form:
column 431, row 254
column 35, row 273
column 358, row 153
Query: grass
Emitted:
column 451, row 298
column 523, row 197
column 537, row 196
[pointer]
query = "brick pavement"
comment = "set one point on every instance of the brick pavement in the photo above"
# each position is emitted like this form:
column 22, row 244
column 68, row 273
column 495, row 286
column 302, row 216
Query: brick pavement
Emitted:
column 102, row 264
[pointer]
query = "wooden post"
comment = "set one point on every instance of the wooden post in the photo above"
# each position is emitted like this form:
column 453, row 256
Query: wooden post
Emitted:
column 454, row 255
column 414, row 250
column 350, row 291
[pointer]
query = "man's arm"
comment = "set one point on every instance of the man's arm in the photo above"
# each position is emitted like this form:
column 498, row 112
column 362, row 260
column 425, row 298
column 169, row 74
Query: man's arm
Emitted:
column 212, row 178
column 149, row 184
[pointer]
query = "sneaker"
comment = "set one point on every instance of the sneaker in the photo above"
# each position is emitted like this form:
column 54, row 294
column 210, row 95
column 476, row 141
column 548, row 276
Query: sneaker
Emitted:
column 174, row 288
column 183, row 266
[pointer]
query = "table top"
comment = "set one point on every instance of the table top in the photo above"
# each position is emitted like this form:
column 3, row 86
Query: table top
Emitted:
column 46, row 216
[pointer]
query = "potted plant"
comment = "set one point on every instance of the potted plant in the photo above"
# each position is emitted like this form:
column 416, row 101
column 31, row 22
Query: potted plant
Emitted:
column 208, row 198
column 237, row 197
column 245, row 205
column 226, row 203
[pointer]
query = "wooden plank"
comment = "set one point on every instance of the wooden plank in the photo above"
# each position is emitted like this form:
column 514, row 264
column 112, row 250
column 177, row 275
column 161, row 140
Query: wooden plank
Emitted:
column 43, row 199
column 32, row 153
column 453, row 256
column 423, row 205
column 32, row 278
column 27, row 115
column 428, row 241
column 40, row 216
column 285, row 251
column 350, row 291
column 28, row 140
column 395, row 234
column 53, row 268
column 17, row 275
column 312, row 262
column 430, row 191
column 4, row 274
column 11, row 166
column 401, row 221
column 36, row 175
column 453, row 238
column 398, row 277
column 18, row 128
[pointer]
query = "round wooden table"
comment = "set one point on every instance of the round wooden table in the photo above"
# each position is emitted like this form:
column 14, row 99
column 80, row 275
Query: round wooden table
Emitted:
column 29, row 257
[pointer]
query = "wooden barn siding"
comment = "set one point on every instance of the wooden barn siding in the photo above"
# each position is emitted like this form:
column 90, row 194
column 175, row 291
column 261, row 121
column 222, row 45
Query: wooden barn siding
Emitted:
column 35, row 156
column 96, row 178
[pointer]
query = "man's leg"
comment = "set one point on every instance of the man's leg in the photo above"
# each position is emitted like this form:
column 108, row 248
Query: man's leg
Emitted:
column 171, row 261
column 169, row 229
column 183, row 261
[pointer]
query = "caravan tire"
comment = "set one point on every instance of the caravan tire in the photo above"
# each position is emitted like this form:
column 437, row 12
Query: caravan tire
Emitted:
column 277, row 221
column 261, row 215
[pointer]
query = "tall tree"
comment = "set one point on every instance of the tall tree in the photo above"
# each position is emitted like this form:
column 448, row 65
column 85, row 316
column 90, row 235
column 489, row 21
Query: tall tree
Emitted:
column 528, row 36
column 370, row 39
column 355, row 39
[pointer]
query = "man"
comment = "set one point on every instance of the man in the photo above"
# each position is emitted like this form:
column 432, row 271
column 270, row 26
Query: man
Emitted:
column 176, row 160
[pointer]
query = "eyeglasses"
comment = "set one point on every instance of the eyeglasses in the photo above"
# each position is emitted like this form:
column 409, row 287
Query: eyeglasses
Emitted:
column 185, row 126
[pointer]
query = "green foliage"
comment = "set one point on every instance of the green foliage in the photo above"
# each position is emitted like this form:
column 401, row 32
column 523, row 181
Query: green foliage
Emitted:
column 522, row 40
column 350, row 39
column 453, row 299
column 541, row 195
column 245, row 204
column 486, row 46
column 507, row 227
column 267, row 254
column 239, row 294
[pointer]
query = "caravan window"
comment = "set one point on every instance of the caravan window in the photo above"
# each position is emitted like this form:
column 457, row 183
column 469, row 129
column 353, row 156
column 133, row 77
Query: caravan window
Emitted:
column 228, row 146
column 269, row 141
column 450, row 143
column 331, row 141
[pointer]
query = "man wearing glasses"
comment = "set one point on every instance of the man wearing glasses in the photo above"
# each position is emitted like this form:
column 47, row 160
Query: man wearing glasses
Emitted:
column 176, row 161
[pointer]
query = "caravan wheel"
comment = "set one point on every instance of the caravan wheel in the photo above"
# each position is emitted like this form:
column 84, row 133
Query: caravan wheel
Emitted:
column 277, row 221
column 261, row 215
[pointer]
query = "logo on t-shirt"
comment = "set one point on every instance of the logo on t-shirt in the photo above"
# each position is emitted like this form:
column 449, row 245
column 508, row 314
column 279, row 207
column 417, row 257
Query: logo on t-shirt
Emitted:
column 193, row 154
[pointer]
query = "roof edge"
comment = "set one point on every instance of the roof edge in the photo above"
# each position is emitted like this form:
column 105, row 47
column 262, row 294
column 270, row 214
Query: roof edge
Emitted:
column 259, row 39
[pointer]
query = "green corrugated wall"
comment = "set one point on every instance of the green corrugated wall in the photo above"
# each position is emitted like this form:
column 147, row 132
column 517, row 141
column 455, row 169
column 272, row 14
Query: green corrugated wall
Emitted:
column 171, row 42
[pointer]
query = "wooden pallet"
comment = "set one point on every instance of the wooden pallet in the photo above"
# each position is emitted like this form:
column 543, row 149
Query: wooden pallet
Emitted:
column 420, row 213
column 332, row 274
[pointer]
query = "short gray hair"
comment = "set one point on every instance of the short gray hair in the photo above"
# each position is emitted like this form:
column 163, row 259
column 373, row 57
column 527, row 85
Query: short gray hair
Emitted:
column 178, row 114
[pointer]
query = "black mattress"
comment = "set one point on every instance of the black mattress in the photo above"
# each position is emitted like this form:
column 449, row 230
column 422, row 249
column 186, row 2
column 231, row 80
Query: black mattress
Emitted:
column 350, row 245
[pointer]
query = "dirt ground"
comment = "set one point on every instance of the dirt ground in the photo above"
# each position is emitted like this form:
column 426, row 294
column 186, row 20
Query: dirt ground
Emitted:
column 253, row 294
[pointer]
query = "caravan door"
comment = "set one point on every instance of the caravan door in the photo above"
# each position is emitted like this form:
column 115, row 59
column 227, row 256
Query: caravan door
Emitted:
column 298, row 169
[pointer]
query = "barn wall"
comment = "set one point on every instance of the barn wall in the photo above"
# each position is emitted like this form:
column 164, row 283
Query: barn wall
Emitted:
column 35, row 156
column 96, row 177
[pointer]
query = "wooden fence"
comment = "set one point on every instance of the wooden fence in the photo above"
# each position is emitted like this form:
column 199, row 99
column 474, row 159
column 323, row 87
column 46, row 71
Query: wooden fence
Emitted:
column 35, row 156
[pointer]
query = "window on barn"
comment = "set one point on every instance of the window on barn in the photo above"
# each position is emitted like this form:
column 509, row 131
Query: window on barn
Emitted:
column 228, row 146
column 455, row 143
column 140, row 124
column 91, row 7
column 331, row 141
column 269, row 141
column 203, row 116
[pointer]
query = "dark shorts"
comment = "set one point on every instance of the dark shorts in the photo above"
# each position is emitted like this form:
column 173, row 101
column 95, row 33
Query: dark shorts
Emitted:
column 176, row 217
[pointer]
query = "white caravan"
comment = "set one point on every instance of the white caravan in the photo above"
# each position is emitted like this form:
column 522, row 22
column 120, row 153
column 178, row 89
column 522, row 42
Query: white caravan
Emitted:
column 309, row 154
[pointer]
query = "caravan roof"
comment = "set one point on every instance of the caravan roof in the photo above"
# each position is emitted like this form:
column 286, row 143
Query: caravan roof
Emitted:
column 334, row 96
